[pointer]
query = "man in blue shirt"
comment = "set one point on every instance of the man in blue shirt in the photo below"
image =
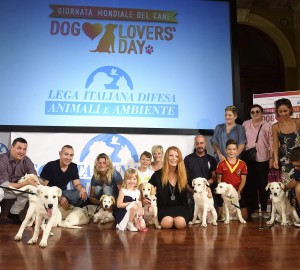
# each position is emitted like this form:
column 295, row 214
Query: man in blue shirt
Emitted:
column 199, row 164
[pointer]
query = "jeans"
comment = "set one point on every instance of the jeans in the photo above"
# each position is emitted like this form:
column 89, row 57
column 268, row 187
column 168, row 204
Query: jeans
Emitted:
column 73, row 197
column 99, row 191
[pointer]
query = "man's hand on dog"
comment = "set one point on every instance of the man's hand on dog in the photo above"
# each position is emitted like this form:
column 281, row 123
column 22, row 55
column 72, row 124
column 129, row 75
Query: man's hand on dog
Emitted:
column 63, row 202
column 31, row 181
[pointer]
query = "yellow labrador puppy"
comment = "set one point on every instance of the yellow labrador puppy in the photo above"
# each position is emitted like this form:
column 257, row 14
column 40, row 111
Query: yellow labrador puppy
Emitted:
column 280, row 204
column 204, row 206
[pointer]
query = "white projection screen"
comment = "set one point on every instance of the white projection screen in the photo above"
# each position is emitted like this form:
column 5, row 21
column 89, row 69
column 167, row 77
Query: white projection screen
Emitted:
column 124, row 65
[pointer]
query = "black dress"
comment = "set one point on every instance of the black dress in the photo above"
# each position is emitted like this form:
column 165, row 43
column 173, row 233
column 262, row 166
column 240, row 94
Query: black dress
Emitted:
column 166, row 206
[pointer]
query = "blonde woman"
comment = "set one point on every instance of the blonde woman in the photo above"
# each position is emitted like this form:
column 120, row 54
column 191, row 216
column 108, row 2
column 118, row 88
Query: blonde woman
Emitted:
column 106, row 180
column 228, row 130
column 158, row 154
column 171, row 190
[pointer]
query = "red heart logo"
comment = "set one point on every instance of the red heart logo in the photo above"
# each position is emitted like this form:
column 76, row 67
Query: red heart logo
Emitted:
column 92, row 30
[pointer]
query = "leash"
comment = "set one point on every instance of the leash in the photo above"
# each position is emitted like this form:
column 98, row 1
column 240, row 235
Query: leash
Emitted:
column 96, row 211
column 21, row 191
column 230, row 197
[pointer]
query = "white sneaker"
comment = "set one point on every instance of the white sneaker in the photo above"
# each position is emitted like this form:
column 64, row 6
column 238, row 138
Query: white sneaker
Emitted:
column 255, row 215
column 297, row 224
column 131, row 227
column 265, row 215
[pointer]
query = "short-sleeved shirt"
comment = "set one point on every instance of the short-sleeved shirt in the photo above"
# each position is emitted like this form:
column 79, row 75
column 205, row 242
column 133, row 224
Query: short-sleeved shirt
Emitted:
column 199, row 166
column 220, row 136
column 231, row 173
column 115, row 181
column 12, row 171
column 144, row 176
column 264, row 141
column 56, row 177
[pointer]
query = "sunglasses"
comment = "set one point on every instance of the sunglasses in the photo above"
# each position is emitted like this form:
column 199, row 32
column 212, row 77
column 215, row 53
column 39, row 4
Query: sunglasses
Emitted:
column 253, row 112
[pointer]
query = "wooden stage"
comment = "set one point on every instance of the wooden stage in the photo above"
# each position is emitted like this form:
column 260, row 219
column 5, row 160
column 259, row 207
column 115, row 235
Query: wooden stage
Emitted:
column 95, row 246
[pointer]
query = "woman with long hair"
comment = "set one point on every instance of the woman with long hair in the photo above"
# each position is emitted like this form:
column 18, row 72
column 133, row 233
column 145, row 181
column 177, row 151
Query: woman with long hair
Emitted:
column 171, row 190
column 105, row 180
column 286, row 136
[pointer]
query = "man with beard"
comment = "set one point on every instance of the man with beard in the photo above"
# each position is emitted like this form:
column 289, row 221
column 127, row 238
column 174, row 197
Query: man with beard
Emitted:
column 199, row 164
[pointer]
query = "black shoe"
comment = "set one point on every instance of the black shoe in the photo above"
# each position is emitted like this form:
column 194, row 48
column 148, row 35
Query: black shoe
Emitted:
column 15, row 218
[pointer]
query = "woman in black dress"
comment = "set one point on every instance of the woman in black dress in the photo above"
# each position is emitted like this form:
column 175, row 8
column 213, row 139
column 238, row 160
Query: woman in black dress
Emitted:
column 171, row 190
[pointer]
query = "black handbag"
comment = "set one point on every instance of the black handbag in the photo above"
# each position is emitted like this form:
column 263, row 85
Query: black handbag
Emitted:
column 250, row 154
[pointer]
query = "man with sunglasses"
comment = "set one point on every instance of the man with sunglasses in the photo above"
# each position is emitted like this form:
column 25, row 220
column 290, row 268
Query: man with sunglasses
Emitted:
column 295, row 160
column 13, row 165
column 259, row 135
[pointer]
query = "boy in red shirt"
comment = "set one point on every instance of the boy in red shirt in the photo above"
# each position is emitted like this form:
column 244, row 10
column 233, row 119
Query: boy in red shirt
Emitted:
column 233, row 171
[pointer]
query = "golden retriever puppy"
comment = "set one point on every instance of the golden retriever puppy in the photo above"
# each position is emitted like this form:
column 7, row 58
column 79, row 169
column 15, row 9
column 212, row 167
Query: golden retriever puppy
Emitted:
column 148, row 191
column 105, row 214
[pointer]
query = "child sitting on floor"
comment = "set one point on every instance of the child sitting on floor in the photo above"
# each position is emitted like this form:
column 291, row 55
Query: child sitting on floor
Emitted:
column 129, row 213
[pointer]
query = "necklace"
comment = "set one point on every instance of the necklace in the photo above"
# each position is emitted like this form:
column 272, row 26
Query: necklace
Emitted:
column 172, row 192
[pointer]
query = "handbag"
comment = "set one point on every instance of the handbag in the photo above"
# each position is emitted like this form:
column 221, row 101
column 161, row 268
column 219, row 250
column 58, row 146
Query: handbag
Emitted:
column 250, row 154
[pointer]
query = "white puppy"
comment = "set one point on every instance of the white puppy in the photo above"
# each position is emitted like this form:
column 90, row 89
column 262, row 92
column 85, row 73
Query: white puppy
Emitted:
column 231, row 204
column 105, row 214
column 77, row 216
column 46, row 207
column 204, row 206
column 280, row 204
column 31, row 211
column 148, row 191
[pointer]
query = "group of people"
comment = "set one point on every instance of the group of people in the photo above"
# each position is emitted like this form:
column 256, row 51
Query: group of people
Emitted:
column 277, row 146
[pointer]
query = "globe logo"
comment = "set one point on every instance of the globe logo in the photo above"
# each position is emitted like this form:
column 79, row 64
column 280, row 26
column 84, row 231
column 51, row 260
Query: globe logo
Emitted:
column 109, row 78
column 120, row 150
column 3, row 148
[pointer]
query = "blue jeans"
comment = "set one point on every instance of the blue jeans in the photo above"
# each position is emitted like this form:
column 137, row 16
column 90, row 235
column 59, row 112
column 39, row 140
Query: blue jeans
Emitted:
column 73, row 197
column 99, row 191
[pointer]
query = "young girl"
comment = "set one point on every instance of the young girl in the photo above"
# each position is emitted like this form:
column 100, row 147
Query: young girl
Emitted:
column 129, row 207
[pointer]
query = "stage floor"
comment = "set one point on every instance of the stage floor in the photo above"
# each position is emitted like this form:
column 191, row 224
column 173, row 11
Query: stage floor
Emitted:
column 95, row 246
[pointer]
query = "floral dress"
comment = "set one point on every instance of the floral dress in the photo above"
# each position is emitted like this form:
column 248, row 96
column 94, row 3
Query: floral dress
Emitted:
column 287, row 143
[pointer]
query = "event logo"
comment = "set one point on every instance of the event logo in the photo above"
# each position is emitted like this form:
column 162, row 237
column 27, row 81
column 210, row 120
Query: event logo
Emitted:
column 120, row 150
column 109, row 78
column 3, row 148
column 115, row 37
column 102, row 99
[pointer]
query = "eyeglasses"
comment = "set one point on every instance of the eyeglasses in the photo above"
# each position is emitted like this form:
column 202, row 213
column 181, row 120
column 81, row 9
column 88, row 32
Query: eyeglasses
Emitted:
column 253, row 112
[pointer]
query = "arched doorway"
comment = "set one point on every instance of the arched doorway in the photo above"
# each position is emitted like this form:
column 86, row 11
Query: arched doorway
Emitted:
column 261, row 65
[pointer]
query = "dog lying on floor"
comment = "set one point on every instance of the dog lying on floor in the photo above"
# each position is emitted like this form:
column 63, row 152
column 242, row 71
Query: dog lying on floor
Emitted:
column 231, row 205
column 74, row 217
column 44, row 207
column 280, row 205
column 204, row 206
column 105, row 213
column 148, row 191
